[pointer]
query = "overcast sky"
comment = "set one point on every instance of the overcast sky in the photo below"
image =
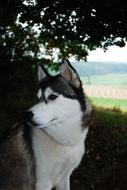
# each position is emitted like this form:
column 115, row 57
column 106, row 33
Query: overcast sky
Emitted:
column 114, row 54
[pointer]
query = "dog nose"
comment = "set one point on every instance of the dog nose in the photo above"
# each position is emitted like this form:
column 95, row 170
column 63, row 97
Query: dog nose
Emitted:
column 28, row 115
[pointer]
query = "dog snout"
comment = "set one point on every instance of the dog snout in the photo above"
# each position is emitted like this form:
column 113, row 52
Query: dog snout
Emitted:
column 28, row 115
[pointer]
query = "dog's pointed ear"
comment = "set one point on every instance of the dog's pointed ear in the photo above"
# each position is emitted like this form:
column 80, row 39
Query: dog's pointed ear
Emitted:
column 41, row 73
column 70, row 74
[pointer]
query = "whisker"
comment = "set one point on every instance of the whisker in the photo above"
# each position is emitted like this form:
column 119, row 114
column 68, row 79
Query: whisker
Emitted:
column 53, row 119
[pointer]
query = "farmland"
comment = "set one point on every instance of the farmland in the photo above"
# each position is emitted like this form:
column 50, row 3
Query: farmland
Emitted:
column 107, row 96
column 109, row 91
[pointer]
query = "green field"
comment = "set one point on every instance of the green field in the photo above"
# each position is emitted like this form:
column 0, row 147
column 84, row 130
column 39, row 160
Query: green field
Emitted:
column 108, row 79
column 110, row 103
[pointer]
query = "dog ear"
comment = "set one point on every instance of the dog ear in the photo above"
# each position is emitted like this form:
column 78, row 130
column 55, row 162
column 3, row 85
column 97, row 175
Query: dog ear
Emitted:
column 42, row 73
column 70, row 74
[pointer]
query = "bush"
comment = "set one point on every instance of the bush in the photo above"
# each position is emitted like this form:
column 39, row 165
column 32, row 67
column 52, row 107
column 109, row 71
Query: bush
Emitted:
column 104, row 164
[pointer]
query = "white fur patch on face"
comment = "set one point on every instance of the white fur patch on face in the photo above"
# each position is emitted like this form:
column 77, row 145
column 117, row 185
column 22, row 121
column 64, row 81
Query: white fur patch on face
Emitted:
column 48, row 91
column 39, row 93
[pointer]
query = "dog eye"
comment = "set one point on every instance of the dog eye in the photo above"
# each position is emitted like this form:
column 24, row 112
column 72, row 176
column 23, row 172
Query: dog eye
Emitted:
column 52, row 97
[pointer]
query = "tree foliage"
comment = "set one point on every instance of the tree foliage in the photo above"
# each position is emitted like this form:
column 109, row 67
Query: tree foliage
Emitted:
column 37, row 28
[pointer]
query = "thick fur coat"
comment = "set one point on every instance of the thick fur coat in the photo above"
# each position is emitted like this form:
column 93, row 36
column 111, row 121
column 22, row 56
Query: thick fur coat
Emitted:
column 42, row 152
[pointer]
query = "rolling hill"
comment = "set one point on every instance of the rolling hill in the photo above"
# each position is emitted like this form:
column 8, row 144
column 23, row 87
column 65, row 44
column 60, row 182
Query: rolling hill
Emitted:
column 99, row 68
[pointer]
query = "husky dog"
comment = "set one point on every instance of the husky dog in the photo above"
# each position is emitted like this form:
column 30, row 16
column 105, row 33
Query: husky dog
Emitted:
column 42, row 152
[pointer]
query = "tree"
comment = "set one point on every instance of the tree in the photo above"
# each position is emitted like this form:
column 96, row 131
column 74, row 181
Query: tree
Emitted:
column 67, row 27
column 79, row 25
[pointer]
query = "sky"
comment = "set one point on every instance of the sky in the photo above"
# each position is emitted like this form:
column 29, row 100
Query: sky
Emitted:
column 113, row 54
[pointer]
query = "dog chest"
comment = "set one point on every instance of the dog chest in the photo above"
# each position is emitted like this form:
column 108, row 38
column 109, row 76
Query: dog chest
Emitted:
column 52, row 159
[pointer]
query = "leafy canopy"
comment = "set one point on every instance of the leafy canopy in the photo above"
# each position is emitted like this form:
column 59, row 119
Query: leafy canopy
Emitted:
column 38, row 28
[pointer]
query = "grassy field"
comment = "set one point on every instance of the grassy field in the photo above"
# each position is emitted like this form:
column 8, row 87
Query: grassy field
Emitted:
column 110, row 103
column 109, row 79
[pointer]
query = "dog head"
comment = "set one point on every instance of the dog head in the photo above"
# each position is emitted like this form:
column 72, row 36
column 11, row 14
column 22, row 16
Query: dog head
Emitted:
column 60, row 98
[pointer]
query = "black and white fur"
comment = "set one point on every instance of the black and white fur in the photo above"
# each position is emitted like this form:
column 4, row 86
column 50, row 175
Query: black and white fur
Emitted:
column 58, row 125
column 58, row 138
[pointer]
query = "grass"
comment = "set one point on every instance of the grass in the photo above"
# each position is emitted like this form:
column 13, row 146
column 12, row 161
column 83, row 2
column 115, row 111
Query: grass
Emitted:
column 108, row 79
column 110, row 103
